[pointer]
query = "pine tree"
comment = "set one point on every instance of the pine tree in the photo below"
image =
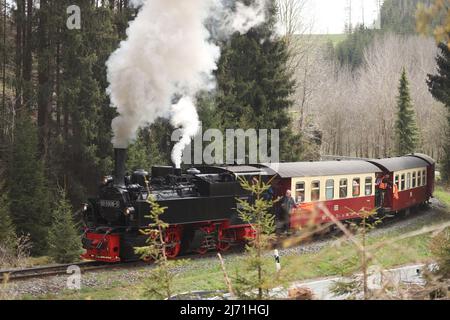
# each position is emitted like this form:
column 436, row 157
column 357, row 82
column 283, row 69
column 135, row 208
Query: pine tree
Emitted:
column 7, row 233
column 28, row 186
column 400, row 16
column 63, row 238
column 350, row 52
column 160, row 281
column 257, row 213
column 439, row 86
column 405, row 127
column 255, row 85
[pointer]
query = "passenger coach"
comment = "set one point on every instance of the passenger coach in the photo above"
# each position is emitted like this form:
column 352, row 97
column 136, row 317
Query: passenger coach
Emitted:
column 344, row 187
column 413, row 176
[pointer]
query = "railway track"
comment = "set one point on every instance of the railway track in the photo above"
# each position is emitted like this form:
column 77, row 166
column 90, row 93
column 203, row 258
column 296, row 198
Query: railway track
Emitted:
column 57, row 269
column 61, row 269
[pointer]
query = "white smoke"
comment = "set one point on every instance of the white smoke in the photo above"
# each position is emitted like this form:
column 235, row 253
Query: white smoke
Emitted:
column 246, row 17
column 184, row 116
column 169, row 52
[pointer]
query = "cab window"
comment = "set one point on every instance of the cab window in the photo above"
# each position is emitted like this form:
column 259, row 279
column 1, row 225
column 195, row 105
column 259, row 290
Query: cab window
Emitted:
column 315, row 190
column 356, row 187
column 343, row 188
column 329, row 189
column 300, row 192
column 368, row 186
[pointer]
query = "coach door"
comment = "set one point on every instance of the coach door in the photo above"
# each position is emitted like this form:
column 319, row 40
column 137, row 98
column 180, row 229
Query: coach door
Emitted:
column 383, row 192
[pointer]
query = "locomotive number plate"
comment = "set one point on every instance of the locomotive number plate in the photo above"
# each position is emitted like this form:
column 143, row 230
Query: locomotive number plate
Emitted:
column 110, row 203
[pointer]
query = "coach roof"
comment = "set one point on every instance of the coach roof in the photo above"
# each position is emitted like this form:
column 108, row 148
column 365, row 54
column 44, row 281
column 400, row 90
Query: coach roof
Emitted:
column 424, row 157
column 322, row 168
column 400, row 163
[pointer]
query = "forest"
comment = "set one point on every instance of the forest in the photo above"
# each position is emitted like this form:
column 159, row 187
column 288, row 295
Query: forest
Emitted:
column 328, row 98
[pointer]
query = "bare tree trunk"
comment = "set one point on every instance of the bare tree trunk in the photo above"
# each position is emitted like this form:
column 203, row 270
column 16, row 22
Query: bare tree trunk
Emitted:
column 45, row 74
column 3, row 123
column 19, row 52
column 27, row 55
column 58, row 85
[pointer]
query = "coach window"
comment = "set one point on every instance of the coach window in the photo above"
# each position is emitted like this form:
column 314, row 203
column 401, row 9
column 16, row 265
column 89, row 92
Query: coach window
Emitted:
column 424, row 178
column 396, row 180
column 419, row 178
column 368, row 188
column 343, row 188
column 356, row 187
column 402, row 182
column 414, row 179
column 315, row 190
column 329, row 189
column 408, row 180
column 300, row 192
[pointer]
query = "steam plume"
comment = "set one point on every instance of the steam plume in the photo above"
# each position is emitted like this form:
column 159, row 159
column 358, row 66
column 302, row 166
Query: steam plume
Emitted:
column 169, row 52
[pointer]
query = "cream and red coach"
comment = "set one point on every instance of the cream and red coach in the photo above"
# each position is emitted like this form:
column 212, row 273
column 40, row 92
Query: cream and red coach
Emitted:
column 344, row 187
column 414, row 177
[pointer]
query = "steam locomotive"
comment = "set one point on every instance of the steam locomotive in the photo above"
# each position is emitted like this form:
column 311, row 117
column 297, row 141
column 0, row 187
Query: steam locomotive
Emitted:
column 201, row 210
column 202, row 202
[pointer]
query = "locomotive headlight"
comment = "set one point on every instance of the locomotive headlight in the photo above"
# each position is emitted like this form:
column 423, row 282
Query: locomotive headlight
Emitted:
column 128, row 211
column 106, row 180
column 85, row 207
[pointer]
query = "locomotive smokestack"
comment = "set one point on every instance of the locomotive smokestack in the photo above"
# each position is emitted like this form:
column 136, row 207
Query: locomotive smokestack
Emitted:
column 119, row 166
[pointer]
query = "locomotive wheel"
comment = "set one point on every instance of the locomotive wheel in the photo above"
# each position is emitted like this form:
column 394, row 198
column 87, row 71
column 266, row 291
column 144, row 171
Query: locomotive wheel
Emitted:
column 223, row 246
column 202, row 250
column 173, row 243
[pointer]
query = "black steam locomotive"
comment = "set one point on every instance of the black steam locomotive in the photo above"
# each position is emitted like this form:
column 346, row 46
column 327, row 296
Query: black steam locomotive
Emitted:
column 201, row 210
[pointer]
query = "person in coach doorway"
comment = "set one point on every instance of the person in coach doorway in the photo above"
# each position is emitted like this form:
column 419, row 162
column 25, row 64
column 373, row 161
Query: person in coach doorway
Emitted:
column 287, row 204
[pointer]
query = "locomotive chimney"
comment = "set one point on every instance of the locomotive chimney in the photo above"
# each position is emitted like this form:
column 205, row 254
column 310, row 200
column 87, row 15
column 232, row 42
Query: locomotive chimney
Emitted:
column 119, row 166
column 177, row 171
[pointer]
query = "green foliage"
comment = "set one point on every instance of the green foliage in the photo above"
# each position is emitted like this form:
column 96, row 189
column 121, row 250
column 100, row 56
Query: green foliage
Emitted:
column 396, row 16
column 7, row 232
column 350, row 52
column 257, row 213
column 160, row 281
column 28, row 186
column 440, row 248
column 400, row 16
column 146, row 152
column 63, row 238
column 406, row 126
column 439, row 86
column 255, row 86
column 155, row 249
column 359, row 230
